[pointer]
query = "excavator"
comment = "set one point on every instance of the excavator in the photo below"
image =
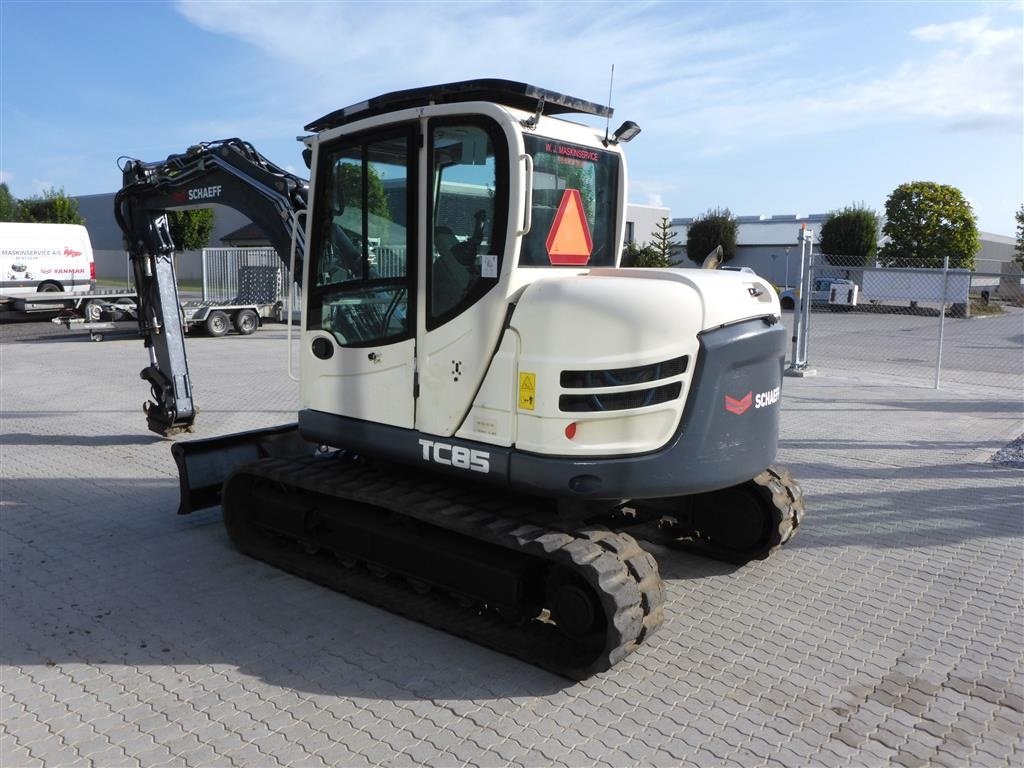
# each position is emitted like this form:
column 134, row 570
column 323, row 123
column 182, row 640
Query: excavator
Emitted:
column 494, row 413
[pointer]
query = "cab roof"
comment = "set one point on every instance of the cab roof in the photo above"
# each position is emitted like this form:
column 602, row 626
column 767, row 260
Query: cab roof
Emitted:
column 506, row 92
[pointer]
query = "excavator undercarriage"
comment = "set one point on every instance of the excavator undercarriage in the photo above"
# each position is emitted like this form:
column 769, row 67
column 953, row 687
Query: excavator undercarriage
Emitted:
column 562, row 586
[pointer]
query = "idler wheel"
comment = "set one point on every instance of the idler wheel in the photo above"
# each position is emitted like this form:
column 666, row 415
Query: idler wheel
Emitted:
column 572, row 604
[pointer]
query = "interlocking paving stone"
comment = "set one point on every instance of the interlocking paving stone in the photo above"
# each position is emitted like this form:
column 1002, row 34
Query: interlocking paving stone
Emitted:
column 891, row 631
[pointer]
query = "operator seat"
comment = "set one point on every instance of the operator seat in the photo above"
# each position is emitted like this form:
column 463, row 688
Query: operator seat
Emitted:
column 343, row 252
column 450, row 280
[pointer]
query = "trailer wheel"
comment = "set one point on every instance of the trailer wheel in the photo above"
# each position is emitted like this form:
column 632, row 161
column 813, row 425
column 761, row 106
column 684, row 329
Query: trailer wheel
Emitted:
column 217, row 323
column 121, row 314
column 246, row 321
column 92, row 311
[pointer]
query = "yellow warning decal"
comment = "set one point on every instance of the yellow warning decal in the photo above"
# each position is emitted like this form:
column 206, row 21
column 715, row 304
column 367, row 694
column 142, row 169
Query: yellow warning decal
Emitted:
column 527, row 391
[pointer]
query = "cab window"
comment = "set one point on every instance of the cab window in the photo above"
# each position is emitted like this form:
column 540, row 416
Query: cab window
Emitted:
column 360, row 277
column 468, row 203
column 583, row 183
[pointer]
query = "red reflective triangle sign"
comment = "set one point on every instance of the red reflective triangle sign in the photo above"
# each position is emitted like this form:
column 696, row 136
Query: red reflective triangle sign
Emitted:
column 569, row 240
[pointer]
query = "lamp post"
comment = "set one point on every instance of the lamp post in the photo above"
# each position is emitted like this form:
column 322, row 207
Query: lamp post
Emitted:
column 787, row 249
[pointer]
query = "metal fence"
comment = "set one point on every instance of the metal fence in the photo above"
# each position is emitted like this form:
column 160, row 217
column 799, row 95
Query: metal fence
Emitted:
column 928, row 324
column 222, row 267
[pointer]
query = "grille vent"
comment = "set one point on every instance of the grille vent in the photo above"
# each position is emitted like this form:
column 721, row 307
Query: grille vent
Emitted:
column 619, row 401
column 618, row 377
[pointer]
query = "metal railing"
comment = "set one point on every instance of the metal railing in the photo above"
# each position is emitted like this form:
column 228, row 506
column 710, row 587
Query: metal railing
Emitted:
column 222, row 267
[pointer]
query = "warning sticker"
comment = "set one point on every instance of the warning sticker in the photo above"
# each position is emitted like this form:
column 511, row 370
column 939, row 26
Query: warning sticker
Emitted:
column 569, row 241
column 527, row 391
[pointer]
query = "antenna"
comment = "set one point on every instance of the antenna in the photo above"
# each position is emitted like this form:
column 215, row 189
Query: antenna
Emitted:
column 608, row 120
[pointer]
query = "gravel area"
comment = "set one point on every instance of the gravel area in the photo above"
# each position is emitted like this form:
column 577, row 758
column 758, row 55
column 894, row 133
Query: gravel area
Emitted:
column 1012, row 455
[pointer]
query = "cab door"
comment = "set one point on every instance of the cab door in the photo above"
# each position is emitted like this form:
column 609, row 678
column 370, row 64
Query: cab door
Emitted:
column 359, row 345
column 467, row 193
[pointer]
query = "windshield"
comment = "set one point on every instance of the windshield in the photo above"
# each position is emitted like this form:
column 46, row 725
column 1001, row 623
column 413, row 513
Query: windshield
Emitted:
column 575, row 196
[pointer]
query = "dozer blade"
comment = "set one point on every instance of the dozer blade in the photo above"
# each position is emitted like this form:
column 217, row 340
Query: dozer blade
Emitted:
column 203, row 464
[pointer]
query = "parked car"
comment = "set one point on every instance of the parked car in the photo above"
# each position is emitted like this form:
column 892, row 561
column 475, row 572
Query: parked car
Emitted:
column 821, row 290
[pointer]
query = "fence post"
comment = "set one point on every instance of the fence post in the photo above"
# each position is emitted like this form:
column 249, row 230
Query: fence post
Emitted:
column 206, row 292
column 801, row 312
column 809, row 281
column 942, row 318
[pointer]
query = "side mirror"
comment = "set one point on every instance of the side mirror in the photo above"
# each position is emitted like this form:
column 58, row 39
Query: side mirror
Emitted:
column 307, row 157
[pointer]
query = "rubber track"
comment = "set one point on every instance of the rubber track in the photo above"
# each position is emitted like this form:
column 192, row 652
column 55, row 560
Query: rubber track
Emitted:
column 784, row 498
column 623, row 574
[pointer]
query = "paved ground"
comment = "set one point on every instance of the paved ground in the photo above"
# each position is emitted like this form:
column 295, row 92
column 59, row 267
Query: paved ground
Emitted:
column 890, row 632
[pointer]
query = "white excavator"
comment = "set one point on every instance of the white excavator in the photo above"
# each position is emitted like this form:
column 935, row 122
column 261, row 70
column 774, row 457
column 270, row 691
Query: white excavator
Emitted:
column 493, row 412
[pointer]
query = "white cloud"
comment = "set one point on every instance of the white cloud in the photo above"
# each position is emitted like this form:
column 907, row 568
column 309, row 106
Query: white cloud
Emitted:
column 5, row 176
column 697, row 75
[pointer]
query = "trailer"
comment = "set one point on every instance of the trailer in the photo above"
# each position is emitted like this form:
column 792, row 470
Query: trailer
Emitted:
column 258, row 290
column 90, row 305
column 256, row 301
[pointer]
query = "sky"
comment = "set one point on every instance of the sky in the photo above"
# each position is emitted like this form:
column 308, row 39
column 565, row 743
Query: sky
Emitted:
column 760, row 107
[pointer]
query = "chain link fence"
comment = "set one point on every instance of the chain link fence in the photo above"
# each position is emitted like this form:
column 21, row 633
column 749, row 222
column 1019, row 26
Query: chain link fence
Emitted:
column 919, row 322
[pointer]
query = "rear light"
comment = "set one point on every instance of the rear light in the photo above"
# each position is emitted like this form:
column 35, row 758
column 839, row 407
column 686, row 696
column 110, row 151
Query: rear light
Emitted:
column 92, row 270
column 570, row 431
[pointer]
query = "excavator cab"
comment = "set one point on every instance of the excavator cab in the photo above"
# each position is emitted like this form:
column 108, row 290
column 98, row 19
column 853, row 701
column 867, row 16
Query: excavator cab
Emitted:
column 459, row 196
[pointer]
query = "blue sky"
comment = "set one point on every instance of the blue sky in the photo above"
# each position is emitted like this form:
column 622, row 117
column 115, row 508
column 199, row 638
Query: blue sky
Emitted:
column 765, row 108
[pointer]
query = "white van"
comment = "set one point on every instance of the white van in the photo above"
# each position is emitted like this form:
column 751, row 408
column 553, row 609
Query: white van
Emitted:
column 45, row 257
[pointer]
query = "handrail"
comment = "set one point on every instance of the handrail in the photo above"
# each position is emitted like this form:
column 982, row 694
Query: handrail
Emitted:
column 528, row 212
column 291, row 289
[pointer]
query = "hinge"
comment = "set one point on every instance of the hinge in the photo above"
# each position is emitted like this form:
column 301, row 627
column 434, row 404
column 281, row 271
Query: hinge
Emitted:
column 415, row 384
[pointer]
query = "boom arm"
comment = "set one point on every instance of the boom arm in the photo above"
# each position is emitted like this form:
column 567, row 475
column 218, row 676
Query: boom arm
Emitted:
column 230, row 172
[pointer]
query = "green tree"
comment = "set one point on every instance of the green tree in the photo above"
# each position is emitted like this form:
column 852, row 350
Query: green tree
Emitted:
column 351, row 178
column 663, row 240
column 715, row 228
column 52, row 207
column 191, row 229
column 10, row 207
column 1019, row 248
column 849, row 238
column 925, row 222
column 643, row 255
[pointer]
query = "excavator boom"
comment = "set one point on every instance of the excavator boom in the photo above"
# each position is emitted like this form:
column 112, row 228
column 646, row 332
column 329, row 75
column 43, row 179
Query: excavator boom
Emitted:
column 229, row 172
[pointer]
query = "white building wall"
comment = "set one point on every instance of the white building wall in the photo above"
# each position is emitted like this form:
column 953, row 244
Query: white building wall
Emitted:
column 641, row 221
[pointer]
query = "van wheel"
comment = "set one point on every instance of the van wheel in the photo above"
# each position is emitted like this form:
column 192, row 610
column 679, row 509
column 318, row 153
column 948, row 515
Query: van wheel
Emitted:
column 49, row 287
column 787, row 303
column 217, row 323
column 246, row 322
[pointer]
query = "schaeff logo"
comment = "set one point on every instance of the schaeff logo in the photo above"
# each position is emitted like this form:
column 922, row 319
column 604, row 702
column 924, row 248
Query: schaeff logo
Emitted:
column 760, row 400
column 204, row 193
column 199, row 193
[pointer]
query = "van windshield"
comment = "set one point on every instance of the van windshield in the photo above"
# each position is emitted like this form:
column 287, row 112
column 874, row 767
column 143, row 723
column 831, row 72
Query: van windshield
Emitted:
column 575, row 196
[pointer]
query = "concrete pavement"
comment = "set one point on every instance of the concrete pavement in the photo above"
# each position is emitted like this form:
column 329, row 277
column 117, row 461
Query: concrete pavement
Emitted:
column 891, row 630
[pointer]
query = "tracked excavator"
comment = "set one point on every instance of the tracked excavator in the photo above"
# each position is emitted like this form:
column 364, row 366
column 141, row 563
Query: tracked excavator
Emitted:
column 494, row 414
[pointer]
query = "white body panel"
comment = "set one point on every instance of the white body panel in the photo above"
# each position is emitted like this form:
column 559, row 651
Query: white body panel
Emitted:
column 612, row 319
column 378, row 389
column 34, row 254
